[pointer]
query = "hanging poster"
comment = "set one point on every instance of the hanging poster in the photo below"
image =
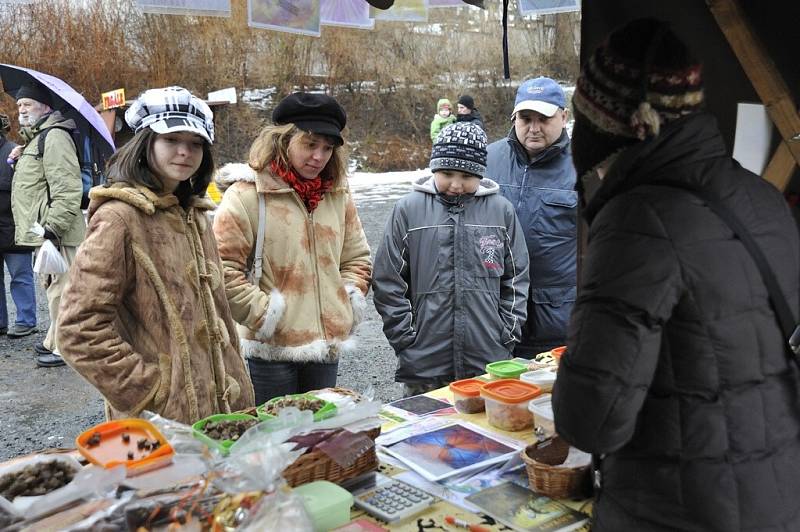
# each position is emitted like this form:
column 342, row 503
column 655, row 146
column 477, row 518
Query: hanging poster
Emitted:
column 445, row 3
column 346, row 13
column 547, row 7
column 403, row 11
column 292, row 16
column 209, row 8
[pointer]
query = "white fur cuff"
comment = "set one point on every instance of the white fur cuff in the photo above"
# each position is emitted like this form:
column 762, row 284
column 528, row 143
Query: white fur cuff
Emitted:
column 274, row 313
column 358, row 303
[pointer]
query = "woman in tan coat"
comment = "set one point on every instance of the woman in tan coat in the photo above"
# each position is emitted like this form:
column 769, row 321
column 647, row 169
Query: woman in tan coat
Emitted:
column 297, row 318
column 144, row 316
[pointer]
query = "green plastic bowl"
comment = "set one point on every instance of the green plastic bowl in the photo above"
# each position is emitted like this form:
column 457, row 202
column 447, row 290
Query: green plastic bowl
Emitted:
column 328, row 409
column 505, row 369
column 222, row 445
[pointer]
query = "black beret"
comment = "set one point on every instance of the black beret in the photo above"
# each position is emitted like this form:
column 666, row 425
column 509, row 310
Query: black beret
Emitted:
column 315, row 113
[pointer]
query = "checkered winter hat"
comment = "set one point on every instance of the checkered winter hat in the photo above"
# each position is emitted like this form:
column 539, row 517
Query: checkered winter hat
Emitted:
column 169, row 110
column 460, row 146
column 641, row 78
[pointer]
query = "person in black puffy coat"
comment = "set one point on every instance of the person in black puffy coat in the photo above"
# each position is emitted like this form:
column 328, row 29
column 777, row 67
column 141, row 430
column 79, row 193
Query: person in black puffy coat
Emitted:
column 677, row 375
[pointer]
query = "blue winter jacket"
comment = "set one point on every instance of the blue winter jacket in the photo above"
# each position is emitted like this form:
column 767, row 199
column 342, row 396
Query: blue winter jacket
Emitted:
column 542, row 191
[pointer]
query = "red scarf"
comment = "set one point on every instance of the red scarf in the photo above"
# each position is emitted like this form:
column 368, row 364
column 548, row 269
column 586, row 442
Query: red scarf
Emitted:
column 310, row 191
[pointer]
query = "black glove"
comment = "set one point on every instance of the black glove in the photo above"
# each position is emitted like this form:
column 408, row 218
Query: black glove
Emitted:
column 49, row 235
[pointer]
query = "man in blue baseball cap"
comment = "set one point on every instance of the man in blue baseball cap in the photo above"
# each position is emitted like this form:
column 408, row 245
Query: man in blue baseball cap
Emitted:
column 533, row 167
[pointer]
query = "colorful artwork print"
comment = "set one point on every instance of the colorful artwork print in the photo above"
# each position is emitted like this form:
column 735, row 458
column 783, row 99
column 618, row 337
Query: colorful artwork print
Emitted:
column 347, row 13
column 448, row 451
column 292, row 16
column 403, row 11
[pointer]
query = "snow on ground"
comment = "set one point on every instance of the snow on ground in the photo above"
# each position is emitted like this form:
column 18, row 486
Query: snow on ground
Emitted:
column 384, row 187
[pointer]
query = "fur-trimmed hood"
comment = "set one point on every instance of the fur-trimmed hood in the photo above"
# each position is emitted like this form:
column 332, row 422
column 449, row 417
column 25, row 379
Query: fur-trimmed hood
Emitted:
column 140, row 197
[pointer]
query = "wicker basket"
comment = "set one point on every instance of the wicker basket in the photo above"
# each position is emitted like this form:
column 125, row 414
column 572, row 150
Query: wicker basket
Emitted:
column 555, row 482
column 316, row 465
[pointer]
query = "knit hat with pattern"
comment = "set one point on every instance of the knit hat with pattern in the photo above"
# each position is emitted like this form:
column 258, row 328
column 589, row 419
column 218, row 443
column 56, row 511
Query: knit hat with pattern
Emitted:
column 641, row 78
column 460, row 146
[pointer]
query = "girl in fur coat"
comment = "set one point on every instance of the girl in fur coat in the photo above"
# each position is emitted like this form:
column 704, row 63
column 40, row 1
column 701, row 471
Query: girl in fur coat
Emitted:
column 297, row 306
column 144, row 316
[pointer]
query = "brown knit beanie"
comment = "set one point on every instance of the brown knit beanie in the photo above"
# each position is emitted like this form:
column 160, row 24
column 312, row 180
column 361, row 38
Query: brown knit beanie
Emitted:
column 641, row 78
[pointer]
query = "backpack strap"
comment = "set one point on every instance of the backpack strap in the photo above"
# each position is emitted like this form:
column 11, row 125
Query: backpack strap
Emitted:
column 783, row 312
column 43, row 134
column 254, row 274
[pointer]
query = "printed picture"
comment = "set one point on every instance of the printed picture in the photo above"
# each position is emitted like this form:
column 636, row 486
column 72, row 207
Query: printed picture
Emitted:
column 218, row 8
column 420, row 404
column 403, row 11
column 449, row 451
column 546, row 7
column 292, row 16
column 347, row 13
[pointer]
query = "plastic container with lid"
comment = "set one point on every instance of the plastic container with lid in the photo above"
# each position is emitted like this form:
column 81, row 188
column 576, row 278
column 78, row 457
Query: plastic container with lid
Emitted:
column 467, row 395
column 543, row 378
column 505, row 369
column 327, row 504
column 507, row 403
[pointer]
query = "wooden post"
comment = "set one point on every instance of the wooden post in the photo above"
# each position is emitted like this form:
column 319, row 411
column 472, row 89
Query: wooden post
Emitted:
column 767, row 82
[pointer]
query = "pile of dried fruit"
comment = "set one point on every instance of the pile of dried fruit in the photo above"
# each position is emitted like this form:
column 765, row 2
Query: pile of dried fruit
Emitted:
column 227, row 429
column 301, row 403
column 36, row 479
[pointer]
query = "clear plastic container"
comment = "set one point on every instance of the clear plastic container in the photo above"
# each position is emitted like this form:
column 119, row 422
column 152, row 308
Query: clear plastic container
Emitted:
column 467, row 395
column 507, row 404
column 505, row 369
column 542, row 410
column 543, row 378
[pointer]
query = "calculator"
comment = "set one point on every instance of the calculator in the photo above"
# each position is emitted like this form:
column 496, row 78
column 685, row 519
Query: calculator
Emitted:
column 392, row 500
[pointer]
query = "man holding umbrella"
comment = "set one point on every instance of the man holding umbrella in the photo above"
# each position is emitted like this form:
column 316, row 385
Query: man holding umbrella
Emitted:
column 47, row 190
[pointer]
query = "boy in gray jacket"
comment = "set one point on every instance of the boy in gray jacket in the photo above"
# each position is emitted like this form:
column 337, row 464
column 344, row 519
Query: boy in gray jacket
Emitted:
column 451, row 274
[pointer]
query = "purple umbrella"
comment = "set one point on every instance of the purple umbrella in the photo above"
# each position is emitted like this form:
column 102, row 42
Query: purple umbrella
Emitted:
column 66, row 100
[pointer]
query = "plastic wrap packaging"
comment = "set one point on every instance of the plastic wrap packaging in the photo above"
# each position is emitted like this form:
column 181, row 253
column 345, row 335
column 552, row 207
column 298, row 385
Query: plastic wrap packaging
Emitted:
column 179, row 435
column 88, row 482
column 49, row 261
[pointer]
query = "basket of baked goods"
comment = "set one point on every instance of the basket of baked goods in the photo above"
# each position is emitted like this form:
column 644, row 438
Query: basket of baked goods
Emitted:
column 341, row 451
column 339, row 445
column 557, row 470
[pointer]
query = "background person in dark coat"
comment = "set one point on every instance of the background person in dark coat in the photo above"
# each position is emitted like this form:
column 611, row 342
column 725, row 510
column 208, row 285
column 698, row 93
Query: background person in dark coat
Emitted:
column 466, row 111
column 18, row 259
column 676, row 369
column 533, row 167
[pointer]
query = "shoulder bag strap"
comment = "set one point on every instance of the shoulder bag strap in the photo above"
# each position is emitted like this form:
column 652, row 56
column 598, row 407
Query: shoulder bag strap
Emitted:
column 255, row 269
column 791, row 330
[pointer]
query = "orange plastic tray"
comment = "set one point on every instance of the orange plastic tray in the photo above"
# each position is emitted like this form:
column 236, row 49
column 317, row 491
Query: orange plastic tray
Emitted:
column 112, row 450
